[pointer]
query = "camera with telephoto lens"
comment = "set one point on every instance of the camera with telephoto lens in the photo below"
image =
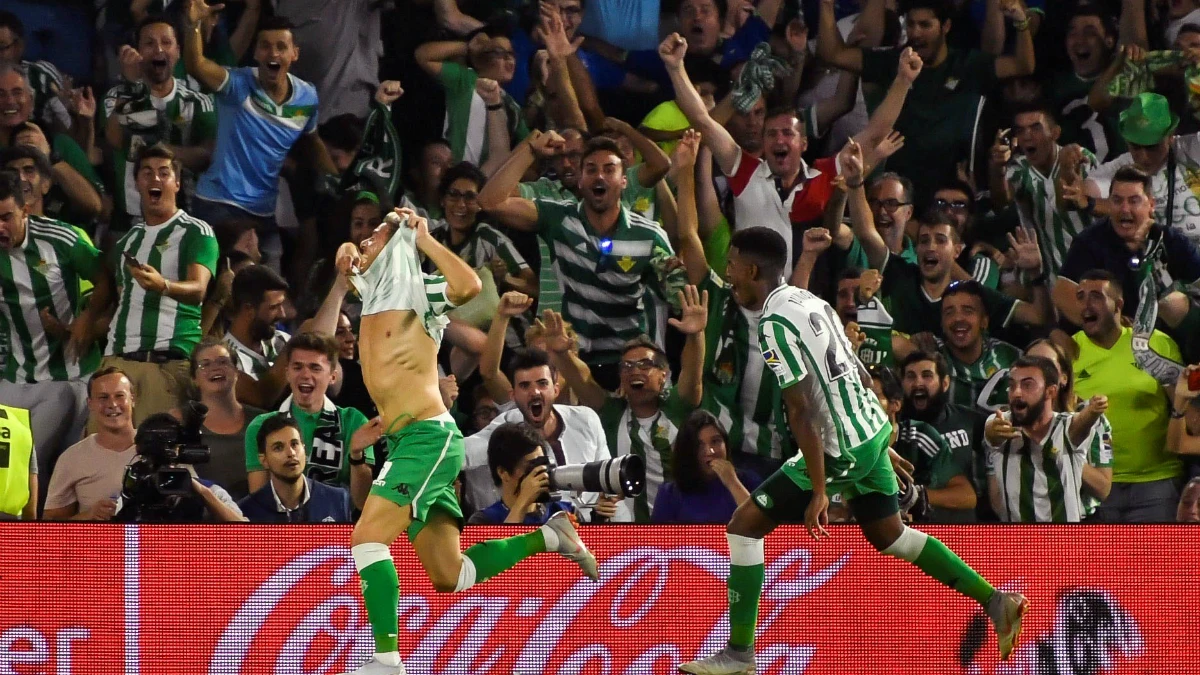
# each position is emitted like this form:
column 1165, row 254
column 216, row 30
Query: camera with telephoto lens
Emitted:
column 620, row 476
column 157, row 486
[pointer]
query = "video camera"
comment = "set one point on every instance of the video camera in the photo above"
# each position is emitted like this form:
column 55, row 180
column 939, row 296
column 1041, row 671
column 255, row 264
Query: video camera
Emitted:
column 157, row 486
column 620, row 476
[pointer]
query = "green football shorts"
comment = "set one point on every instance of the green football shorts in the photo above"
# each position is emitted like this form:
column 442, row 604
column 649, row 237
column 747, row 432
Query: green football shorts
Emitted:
column 423, row 461
column 863, row 476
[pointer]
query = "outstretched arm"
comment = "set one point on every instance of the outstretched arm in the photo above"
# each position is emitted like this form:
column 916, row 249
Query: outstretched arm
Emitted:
column 206, row 71
column 495, row 197
column 716, row 137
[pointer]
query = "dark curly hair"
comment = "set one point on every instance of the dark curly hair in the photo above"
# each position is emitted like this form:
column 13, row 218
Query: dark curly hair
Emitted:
column 685, row 456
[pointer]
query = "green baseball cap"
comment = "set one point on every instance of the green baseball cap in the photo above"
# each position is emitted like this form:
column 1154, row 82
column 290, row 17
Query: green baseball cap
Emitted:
column 1147, row 120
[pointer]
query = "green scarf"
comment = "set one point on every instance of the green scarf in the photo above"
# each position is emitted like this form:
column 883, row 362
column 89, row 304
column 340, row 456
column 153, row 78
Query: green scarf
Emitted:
column 376, row 166
column 1138, row 78
column 1154, row 283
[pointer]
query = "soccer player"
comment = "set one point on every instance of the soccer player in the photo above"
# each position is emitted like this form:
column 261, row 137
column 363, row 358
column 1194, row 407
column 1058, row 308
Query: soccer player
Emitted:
column 843, row 434
column 402, row 322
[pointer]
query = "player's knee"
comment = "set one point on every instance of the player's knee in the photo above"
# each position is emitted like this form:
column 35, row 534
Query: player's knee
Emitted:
column 444, row 580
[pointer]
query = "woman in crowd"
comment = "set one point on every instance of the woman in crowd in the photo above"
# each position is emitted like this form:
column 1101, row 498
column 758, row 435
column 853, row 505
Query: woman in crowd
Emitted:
column 705, row 486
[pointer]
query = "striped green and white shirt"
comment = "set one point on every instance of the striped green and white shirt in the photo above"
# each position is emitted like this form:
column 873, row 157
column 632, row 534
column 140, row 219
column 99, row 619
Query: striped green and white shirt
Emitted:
column 803, row 342
column 254, row 364
column 1042, row 481
column 482, row 244
column 149, row 321
column 746, row 403
column 604, row 279
column 46, row 82
column 1099, row 455
column 1037, row 206
column 982, row 385
column 184, row 117
column 43, row 273
column 651, row 439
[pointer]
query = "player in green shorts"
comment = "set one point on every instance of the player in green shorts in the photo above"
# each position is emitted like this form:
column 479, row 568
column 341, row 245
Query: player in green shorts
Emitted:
column 843, row 435
column 402, row 322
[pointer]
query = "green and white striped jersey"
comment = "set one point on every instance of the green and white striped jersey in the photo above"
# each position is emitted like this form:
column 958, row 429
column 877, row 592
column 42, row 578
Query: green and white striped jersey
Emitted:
column 46, row 81
column 1037, row 205
column 43, row 273
column 184, row 117
column 1099, row 455
column 253, row 364
column 804, row 343
column 982, row 385
column 149, row 321
column 651, row 439
column 604, row 279
column 1041, row 481
column 482, row 244
column 746, row 403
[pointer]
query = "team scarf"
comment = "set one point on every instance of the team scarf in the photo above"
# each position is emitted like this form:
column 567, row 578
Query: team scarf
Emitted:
column 757, row 78
column 376, row 166
column 327, row 452
column 1138, row 78
column 1154, row 283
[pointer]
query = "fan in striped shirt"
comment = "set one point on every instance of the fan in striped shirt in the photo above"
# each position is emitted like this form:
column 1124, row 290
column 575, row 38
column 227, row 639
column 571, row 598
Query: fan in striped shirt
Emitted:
column 162, row 268
column 1036, row 474
column 42, row 262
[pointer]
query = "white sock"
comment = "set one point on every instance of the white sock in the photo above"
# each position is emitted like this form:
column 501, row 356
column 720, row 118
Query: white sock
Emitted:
column 551, row 538
column 368, row 554
column 388, row 658
column 908, row 545
column 466, row 575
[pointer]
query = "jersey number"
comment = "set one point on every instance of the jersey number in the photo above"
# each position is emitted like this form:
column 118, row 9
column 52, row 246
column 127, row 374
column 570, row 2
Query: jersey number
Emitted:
column 837, row 361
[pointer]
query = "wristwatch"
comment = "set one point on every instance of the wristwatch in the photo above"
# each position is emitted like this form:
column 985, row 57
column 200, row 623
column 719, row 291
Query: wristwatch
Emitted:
column 362, row 459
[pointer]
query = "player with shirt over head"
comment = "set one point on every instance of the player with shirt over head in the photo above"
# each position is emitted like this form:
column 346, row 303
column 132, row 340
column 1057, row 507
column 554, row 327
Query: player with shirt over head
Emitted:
column 403, row 319
column 843, row 435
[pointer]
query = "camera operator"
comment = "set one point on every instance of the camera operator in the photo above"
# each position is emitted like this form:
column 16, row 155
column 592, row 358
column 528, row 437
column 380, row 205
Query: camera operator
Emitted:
column 87, row 477
column 517, row 463
column 573, row 433
column 289, row 496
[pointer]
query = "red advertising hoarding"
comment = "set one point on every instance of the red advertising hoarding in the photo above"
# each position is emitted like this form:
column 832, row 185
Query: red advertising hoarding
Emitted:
column 146, row 600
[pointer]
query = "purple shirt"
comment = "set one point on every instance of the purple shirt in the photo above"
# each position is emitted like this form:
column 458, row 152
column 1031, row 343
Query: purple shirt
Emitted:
column 713, row 505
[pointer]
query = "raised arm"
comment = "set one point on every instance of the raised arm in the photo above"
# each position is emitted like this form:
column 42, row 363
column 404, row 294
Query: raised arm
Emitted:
column 498, row 141
column 462, row 284
column 562, row 101
column 1082, row 422
column 716, row 137
column 431, row 55
column 1022, row 62
column 578, row 377
column 692, row 323
column 655, row 163
column 496, row 199
column 243, row 36
column 691, row 249
column 861, row 217
column 206, row 71
column 885, row 116
column 831, row 48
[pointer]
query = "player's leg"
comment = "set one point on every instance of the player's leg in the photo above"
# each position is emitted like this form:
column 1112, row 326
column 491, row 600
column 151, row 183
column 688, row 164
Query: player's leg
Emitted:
column 753, row 520
column 382, row 520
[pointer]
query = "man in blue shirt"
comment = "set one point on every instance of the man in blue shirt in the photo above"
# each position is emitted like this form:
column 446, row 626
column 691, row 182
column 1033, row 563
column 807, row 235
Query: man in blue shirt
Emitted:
column 514, row 451
column 262, row 112
column 289, row 496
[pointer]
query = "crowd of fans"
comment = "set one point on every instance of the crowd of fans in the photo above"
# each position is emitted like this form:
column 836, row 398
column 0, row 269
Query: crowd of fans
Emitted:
column 999, row 198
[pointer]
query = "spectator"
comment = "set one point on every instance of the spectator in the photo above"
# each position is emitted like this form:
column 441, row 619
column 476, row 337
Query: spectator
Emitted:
column 601, row 299
column 938, row 486
column 425, row 175
column 44, row 196
column 1183, row 431
column 153, row 106
column 925, row 380
column 162, row 270
column 573, row 433
column 290, row 496
column 45, row 81
column 264, row 113
column 338, row 441
column 1145, row 476
column 19, row 475
column 644, row 417
column 257, row 300
column 484, row 411
column 42, row 264
column 1036, row 474
column 350, row 390
column 214, row 378
column 514, row 305
column 87, row 480
column 704, row 487
column 978, row 362
column 514, row 450
column 70, row 166
column 1189, row 503
column 1091, row 41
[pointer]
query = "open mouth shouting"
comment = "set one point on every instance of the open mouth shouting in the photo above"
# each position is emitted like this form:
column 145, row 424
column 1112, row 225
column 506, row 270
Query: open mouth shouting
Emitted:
column 306, row 389
column 920, row 398
column 10, row 113
column 1091, row 319
column 960, row 333
column 537, row 410
column 160, row 68
column 929, row 263
column 274, row 68
column 638, row 382
column 155, row 195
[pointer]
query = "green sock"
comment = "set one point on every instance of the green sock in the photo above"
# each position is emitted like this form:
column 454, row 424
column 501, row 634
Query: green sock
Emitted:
column 942, row 564
column 495, row 556
column 745, row 586
column 381, row 595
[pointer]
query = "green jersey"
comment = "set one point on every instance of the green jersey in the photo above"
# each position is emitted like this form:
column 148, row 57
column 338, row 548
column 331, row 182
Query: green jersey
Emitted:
column 1041, row 481
column 641, row 200
column 1097, row 132
column 183, row 117
column 1099, row 455
column 962, row 427
column 549, row 289
column 254, row 363
column 651, row 439
column 150, row 321
column 914, row 311
column 466, row 115
column 934, row 463
column 376, row 165
column 875, row 322
column 326, row 435
column 482, row 245
column 803, row 342
column 982, row 385
column 46, row 82
column 604, row 278
column 746, row 403
column 43, row 274
column 1038, row 206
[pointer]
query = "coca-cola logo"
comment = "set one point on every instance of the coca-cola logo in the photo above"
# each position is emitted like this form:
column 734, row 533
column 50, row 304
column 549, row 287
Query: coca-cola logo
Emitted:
column 625, row 614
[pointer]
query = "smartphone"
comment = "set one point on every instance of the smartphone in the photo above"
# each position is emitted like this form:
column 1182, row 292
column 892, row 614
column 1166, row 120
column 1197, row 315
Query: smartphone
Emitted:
column 130, row 260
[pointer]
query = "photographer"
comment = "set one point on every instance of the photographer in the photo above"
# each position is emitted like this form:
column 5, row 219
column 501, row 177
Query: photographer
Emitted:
column 517, row 463
column 289, row 496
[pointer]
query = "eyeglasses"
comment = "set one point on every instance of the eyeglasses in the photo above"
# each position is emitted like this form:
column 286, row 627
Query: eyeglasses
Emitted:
column 947, row 205
column 458, row 195
column 888, row 205
column 640, row 364
column 215, row 363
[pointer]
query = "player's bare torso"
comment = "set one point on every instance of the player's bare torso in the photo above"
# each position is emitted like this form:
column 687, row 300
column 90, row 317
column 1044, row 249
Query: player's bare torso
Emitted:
column 399, row 364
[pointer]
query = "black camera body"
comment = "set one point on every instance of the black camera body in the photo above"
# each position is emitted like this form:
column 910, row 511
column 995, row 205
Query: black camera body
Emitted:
column 157, row 485
column 622, row 477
